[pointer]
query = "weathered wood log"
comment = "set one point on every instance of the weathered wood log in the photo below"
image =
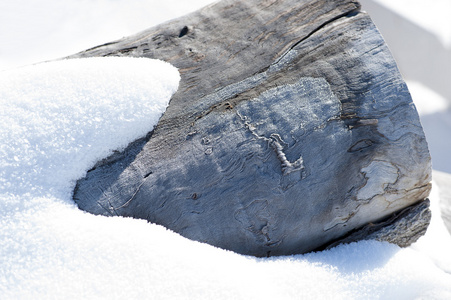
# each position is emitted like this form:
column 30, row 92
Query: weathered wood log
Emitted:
column 291, row 129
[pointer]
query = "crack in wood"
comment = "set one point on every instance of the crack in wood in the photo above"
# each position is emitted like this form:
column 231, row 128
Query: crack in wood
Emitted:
column 274, row 141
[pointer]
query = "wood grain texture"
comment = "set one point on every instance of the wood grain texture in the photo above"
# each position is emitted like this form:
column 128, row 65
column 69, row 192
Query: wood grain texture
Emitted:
column 291, row 128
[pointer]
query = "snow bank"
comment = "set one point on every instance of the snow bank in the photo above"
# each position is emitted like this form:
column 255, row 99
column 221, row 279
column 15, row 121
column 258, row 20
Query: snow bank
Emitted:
column 58, row 118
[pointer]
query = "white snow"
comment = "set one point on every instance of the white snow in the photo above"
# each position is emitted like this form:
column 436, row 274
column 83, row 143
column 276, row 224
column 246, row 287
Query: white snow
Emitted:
column 57, row 119
column 61, row 117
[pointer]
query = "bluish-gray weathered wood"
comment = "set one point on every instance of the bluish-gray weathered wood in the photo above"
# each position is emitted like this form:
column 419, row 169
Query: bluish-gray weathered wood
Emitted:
column 291, row 128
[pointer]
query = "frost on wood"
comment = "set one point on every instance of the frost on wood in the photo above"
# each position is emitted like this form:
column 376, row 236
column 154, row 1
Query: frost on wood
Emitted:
column 291, row 129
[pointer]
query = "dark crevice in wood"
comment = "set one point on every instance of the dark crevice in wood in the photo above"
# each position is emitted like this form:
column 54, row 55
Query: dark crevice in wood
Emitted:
column 100, row 46
column 183, row 32
column 349, row 14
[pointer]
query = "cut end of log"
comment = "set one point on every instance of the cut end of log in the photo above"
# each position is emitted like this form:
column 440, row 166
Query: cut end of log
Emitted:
column 402, row 228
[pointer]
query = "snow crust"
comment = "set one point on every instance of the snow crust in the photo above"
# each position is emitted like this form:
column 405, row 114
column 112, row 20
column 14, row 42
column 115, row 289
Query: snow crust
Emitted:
column 57, row 119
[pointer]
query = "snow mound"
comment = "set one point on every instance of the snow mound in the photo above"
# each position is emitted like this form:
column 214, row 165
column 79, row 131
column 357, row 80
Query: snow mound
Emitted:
column 57, row 119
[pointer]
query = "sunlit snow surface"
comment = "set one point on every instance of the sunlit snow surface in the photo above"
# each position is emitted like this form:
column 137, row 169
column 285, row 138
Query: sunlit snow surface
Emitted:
column 57, row 119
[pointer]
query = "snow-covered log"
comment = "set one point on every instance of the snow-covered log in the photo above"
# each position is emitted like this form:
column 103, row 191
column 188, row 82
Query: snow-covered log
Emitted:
column 292, row 130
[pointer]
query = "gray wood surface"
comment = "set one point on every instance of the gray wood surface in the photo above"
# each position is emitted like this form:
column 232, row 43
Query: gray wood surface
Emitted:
column 291, row 128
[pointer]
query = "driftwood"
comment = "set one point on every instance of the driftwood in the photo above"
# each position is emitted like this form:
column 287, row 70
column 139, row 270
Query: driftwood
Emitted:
column 291, row 130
